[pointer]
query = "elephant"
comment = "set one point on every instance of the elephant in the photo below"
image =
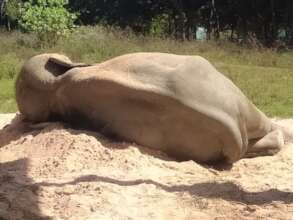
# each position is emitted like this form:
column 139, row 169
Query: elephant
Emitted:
column 179, row 104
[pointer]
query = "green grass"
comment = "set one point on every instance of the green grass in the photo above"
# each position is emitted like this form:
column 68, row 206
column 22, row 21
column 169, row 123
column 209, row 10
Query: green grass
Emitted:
column 7, row 101
column 269, row 88
column 264, row 75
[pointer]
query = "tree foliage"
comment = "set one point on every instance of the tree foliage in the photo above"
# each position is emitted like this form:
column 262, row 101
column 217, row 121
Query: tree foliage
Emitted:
column 48, row 18
column 10, row 12
column 265, row 21
column 12, row 9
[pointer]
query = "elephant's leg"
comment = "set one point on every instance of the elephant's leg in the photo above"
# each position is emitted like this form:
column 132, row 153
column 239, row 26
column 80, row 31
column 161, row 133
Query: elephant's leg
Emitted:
column 267, row 145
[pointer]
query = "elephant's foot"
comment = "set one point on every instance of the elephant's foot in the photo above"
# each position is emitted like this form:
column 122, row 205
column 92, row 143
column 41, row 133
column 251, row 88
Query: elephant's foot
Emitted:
column 267, row 145
column 286, row 126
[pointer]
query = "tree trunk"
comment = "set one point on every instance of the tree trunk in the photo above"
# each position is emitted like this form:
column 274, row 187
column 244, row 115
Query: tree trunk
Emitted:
column 190, row 25
column 273, row 28
column 180, row 32
column 8, row 25
column 289, row 31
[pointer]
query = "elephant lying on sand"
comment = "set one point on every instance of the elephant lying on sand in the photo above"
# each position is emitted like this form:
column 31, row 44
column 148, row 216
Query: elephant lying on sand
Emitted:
column 178, row 104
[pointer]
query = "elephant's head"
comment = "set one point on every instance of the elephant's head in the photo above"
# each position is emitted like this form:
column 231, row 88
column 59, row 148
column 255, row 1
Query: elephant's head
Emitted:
column 37, row 83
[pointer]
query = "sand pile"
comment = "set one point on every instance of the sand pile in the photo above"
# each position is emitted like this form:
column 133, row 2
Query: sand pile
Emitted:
column 53, row 172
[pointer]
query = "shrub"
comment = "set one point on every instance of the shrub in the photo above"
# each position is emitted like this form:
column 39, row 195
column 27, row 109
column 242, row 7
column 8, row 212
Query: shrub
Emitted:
column 49, row 19
column 159, row 26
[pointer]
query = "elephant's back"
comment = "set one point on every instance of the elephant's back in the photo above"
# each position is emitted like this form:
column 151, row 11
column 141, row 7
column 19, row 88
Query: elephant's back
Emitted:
column 191, row 80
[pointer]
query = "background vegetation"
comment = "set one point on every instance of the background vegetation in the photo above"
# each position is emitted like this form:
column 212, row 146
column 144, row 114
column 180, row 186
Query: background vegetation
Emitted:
column 265, row 22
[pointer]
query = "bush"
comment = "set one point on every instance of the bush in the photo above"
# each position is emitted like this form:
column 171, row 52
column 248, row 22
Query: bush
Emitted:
column 49, row 19
column 159, row 26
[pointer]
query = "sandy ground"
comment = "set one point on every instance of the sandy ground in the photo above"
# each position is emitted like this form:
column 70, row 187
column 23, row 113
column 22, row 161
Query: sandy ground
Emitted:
column 53, row 172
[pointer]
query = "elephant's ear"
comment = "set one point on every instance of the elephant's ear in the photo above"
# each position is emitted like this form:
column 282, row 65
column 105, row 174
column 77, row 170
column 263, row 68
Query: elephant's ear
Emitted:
column 60, row 65
column 67, row 64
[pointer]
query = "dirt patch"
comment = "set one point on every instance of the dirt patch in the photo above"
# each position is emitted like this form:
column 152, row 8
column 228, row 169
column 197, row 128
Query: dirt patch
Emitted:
column 53, row 172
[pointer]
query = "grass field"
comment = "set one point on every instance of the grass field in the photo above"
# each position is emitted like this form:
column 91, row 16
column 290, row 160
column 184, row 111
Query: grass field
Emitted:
column 265, row 76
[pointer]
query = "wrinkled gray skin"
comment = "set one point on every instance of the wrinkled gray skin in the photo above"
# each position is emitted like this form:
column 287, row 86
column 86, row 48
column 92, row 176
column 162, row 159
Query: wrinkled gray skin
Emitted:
column 178, row 104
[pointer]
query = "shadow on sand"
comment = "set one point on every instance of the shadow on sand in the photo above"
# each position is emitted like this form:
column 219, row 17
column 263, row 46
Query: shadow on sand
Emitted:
column 18, row 194
column 228, row 191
